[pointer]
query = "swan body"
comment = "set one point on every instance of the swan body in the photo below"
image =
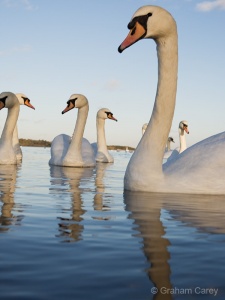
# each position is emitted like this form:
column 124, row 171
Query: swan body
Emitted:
column 200, row 169
column 100, row 148
column 23, row 100
column 75, row 151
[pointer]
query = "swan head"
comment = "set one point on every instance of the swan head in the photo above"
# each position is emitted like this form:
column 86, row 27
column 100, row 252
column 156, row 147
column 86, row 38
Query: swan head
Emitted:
column 170, row 139
column 75, row 100
column 144, row 127
column 105, row 113
column 8, row 100
column 183, row 126
column 24, row 100
column 149, row 22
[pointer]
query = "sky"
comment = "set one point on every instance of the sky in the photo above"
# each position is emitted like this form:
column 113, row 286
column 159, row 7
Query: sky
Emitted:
column 51, row 49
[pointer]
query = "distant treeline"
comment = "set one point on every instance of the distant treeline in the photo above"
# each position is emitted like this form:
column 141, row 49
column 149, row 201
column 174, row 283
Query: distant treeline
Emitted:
column 43, row 143
column 34, row 143
column 116, row 147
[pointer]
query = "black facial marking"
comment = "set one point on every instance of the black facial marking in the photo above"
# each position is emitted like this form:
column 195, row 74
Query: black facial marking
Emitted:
column 25, row 99
column 109, row 114
column 71, row 101
column 3, row 100
column 142, row 20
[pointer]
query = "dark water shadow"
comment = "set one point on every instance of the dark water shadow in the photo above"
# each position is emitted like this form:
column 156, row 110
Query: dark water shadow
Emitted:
column 203, row 212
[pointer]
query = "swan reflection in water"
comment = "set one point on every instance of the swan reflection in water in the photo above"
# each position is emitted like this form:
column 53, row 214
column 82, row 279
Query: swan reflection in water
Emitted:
column 204, row 212
column 70, row 181
column 8, row 176
column 99, row 203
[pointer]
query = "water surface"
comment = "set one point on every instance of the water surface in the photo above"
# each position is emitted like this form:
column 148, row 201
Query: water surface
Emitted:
column 70, row 233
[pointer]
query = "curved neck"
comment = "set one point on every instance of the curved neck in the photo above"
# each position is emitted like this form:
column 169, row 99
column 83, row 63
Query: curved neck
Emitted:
column 152, row 144
column 101, row 140
column 76, row 141
column 15, row 136
column 183, row 145
column 10, row 124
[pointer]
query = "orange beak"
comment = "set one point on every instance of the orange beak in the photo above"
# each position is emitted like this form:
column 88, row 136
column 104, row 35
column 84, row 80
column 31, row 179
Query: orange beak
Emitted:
column 135, row 34
column 69, row 107
column 27, row 103
column 186, row 130
column 112, row 118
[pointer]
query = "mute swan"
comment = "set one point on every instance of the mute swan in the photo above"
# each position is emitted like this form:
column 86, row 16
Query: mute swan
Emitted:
column 23, row 100
column 182, row 128
column 7, row 154
column 75, row 151
column 170, row 139
column 100, row 148
column 200, row 169
column 168, row 150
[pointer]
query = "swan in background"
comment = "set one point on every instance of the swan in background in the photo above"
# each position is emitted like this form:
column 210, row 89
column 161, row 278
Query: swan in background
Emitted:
column 7, row 154
column 75, row 151
column 10, row 101
column 170, row 139
column 144, row 128
column 23, row 100
column 168, row 150
column 182, row 128
column 100, row 148
column 200, row 169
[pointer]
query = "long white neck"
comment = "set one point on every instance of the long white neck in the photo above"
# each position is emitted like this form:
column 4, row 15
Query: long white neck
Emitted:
column 148, row 156
column 101, row 140
column 16, row 144
column 15, row 136
column 183, row 145
column 10, row 124
column 168, row 145
column 7, row 155
column 74, row 149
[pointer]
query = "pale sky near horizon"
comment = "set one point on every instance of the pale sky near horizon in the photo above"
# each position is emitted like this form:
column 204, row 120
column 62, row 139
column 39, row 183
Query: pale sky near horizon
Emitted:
column 51, row 49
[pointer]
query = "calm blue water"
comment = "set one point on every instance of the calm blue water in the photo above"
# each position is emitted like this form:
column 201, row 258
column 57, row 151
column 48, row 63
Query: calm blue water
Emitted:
column 74, row 234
